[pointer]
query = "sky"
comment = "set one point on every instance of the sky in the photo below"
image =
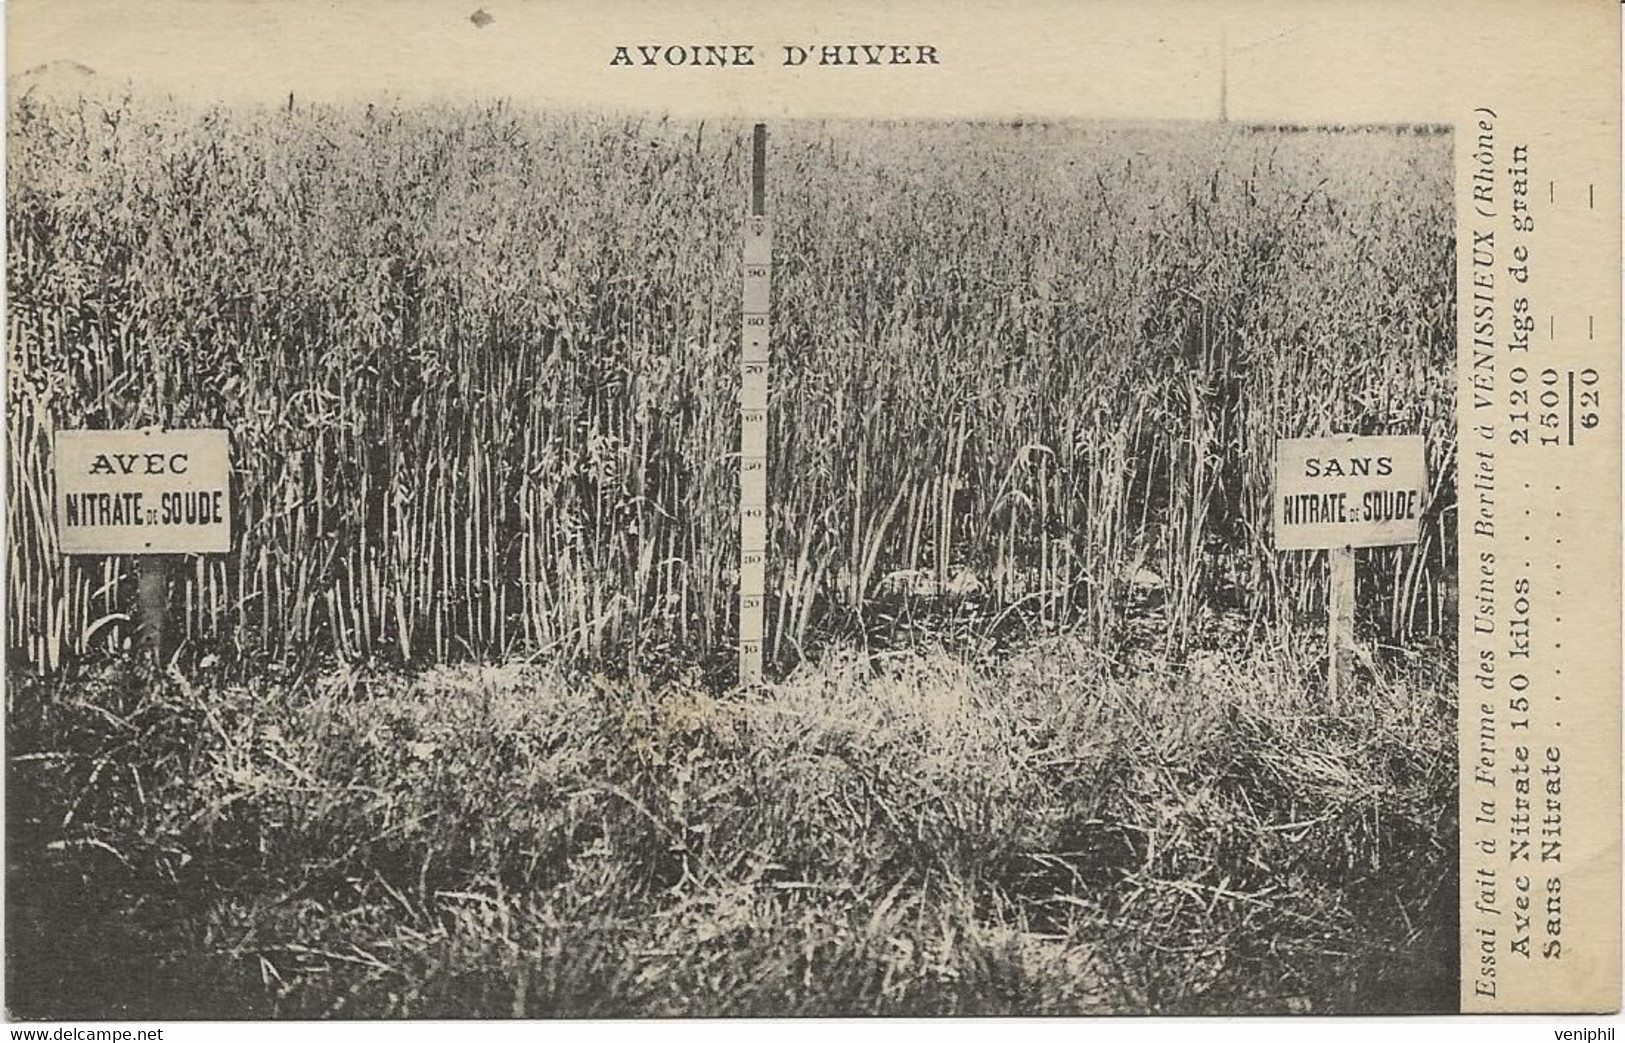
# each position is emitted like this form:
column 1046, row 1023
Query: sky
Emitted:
column 1375, row 61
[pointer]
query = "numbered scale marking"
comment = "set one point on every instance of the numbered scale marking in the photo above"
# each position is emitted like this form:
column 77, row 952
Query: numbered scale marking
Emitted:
column 753, row 439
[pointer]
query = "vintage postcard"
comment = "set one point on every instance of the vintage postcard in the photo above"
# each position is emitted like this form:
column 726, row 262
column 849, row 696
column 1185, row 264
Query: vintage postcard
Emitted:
column 536, row 509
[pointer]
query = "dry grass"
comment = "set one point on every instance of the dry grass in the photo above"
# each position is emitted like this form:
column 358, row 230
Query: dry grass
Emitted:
column 898, row 835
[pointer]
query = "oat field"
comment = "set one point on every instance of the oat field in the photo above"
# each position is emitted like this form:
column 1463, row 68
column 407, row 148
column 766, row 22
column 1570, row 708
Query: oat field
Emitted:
column 452, row 729
column 480, row 370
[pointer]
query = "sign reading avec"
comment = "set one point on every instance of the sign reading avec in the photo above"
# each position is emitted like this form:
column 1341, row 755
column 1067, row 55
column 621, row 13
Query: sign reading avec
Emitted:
column 1348, row 491
column 150, row 491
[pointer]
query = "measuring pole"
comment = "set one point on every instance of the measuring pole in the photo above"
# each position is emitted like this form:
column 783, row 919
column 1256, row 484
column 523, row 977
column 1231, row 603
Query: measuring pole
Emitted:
column 753, row 418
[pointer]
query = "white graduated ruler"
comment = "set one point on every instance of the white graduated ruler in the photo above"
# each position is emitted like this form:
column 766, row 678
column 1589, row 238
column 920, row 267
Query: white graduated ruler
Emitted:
column 753, row 422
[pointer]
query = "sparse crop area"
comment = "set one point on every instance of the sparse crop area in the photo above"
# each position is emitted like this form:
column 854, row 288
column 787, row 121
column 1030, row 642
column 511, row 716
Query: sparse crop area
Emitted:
column 905, row 836
column 450, row 731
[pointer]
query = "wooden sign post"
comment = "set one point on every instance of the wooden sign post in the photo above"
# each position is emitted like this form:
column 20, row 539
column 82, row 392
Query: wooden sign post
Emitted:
column 149, row 494
column 753, row 419
column 1339, row 493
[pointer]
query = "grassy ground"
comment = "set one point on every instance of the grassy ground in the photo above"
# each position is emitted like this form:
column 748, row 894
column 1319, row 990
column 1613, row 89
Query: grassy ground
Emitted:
column 914, row 833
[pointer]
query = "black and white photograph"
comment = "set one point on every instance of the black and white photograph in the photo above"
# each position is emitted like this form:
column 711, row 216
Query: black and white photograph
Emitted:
column 501, row 557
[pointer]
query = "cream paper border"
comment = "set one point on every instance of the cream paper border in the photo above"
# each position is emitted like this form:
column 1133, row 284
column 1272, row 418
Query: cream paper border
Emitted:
column 1548, row 70
column 1540, row 522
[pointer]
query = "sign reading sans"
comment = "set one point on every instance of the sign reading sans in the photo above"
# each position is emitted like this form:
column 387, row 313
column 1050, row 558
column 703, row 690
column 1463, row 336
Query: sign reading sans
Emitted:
column 1348, row 491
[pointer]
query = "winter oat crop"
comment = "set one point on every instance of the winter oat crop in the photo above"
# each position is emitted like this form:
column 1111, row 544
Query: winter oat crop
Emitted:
column 480, row 370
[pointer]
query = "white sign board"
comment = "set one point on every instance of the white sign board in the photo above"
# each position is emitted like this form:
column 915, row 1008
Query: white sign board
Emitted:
column 1348, row 491
column 150, row 491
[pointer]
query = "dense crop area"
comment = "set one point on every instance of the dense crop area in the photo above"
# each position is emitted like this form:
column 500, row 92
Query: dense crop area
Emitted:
column 480, row 370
